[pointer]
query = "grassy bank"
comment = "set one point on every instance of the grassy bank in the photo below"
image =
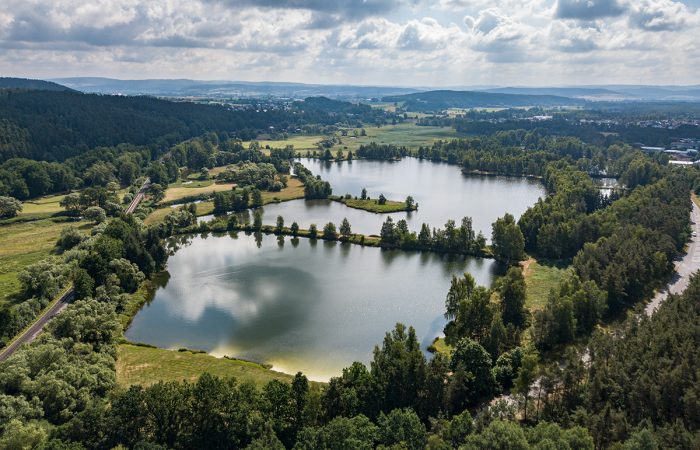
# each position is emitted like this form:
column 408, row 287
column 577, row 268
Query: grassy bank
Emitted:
column 372, row 205
column 148, row 365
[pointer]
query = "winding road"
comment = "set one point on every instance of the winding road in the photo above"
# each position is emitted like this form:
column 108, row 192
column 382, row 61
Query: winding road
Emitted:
column 685, row 266
column 35, row 329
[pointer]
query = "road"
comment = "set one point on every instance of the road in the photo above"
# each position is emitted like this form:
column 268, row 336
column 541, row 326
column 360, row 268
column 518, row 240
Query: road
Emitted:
column 35, row 329
column 685, row 267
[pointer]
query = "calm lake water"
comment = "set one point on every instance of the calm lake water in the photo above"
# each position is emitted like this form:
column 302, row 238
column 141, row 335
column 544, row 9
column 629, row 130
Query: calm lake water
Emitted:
column 441, row 191
column 302, row 305
column 315, row 306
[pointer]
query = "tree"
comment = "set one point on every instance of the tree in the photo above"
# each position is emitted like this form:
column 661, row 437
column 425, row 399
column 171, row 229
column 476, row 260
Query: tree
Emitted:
column 399, row 368
column 471, row 309
column 507, row 240
column 95, row 214
column 280, row 224
column 256, row 198
column 72, row 204
column 329, row 231
column 21, row 436
column 295, row 229
column 44, row 279
column 9, row 207
column 512, row 293
column 257, row 219
column 498, row 435
column 475, row 362
column 363, row 195
column 156, row 192
column 460, row 427
column 409, row 203
column 402, row 427
column 313, row 231
column 382, row 199
column 526, row 376
column 83, row 284
column 222, row 202
column 345, row 229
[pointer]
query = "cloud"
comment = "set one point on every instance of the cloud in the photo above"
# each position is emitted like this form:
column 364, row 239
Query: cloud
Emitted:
column 658, row 15
column 588, row 9
column 407, row 42
column 425, row 35
column 500, row 37
column 326, row 13
column 568, row 38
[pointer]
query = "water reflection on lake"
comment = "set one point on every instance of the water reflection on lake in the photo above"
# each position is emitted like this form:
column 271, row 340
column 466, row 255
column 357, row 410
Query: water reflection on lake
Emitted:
column 299, row 304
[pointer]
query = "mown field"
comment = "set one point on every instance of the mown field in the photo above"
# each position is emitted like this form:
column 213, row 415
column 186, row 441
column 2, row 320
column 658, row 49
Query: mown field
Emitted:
column 22, row 244
column 148, row 365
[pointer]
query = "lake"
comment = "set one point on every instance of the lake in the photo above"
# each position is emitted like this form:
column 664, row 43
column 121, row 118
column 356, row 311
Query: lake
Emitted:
column 302, row 305
column 315, row 306
column 441, row 191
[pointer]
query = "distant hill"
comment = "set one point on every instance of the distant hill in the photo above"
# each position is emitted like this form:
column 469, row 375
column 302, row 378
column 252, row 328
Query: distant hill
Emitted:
column 659, row 93
column 24, row 83
column 227, row 89
column 573, row 92
column 444, row 99
column 57, row 125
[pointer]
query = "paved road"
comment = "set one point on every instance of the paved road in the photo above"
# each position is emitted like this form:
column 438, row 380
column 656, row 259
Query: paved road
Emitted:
column 30, row 334
column 685, row 267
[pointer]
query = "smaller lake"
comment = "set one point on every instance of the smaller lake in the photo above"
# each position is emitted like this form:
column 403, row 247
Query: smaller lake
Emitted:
column 298, row 304
column 441, row 191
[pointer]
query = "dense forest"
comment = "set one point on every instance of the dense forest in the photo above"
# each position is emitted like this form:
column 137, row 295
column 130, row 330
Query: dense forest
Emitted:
column 55, row 125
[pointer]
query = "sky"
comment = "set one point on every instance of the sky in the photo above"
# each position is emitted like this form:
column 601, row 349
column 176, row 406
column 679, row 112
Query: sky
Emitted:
column 439, row 43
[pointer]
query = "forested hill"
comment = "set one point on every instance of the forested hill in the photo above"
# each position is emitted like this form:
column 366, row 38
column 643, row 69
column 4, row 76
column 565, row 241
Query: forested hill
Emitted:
column 24, row 83
column 443, row 99
column 54, row 126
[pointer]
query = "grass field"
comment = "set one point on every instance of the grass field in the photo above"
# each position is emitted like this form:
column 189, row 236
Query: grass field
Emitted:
column 294, row 190
column 300, row 143
column 177, row 191
column 44, row 205
column 22, row 244
column 406, row 134
column 148, row 365
column 540, row 278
